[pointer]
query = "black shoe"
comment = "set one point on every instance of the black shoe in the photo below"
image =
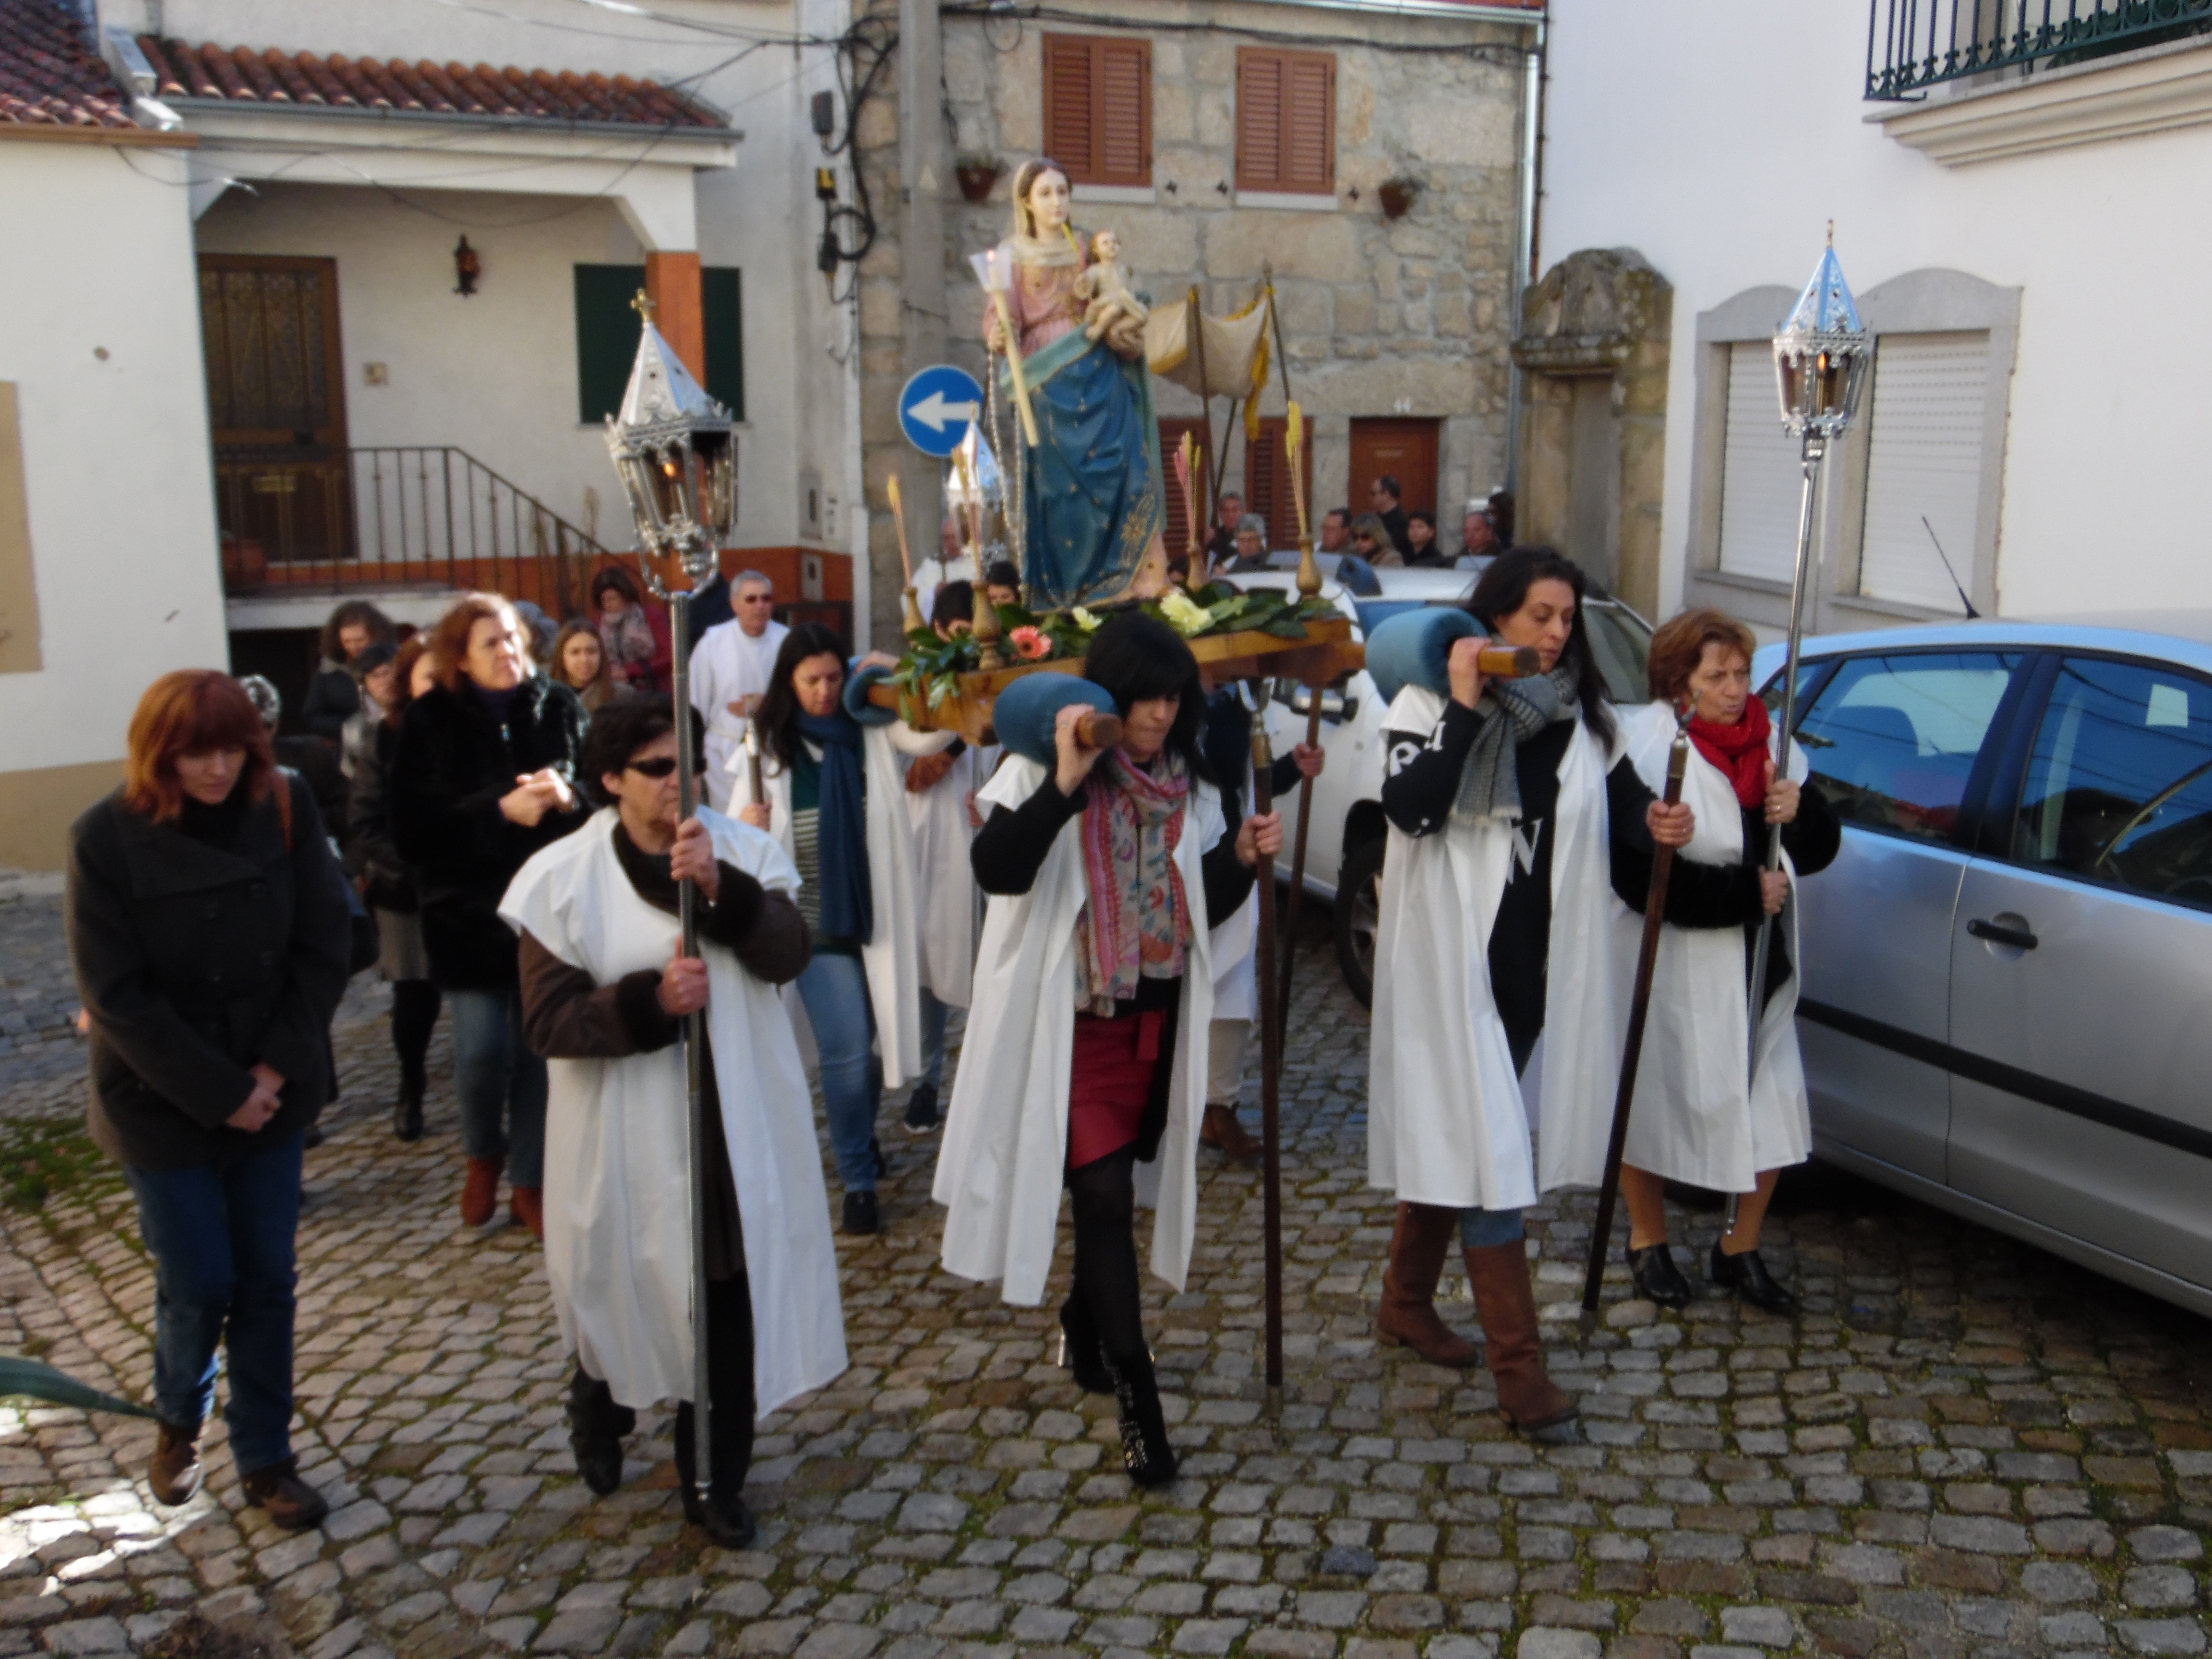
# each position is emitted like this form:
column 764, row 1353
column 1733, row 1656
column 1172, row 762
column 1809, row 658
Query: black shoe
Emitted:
column 1658, row 1278
column 314, row 1136
column 1079, row 1352
column 860, row 1216
column 721, row 1515
column 407, row 1115
column 1145, row 1453
column 594, row 1432
column 883, row 1164
column 921, row 1108
column 1747, row 1275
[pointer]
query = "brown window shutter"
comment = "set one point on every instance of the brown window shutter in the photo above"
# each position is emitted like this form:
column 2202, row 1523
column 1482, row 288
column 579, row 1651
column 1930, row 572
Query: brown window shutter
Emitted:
column 1285, row 120
column 1267, row 480
column 1098, row 108
column 1259, row 119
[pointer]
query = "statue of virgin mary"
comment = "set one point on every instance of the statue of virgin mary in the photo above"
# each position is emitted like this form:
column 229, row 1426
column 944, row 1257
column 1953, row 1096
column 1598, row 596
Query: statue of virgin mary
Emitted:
column 1092, row 504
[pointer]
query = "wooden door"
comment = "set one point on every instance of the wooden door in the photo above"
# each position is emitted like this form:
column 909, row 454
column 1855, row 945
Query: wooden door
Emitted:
column 1268, row 481
column 1404, row 448
column 276, row 402
column 1176, row 536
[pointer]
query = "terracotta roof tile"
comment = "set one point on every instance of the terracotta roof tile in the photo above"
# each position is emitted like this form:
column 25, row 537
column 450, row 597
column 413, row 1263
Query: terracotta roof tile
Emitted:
column 239, row 75
column 49, row 75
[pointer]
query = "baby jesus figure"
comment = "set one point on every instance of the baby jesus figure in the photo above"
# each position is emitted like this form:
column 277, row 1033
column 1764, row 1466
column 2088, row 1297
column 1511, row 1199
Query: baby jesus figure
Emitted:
column 1103, row 287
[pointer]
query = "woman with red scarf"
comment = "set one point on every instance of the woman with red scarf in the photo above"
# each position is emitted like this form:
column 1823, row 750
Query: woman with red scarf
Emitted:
column 1702, row 1115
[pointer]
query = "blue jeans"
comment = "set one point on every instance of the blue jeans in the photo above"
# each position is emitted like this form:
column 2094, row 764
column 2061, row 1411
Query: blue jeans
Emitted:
column 1479, row 1229
column 835, row 989
column 222, row 1242
column 933, row 1015
column 500, row 1083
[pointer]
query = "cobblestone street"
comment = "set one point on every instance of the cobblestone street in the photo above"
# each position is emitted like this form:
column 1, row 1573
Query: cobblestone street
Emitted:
column 1963, row 1450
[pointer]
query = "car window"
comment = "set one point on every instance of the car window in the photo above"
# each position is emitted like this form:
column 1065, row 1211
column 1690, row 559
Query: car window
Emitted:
column 1622, row 645
column 2119, row 788
column 1891, row 740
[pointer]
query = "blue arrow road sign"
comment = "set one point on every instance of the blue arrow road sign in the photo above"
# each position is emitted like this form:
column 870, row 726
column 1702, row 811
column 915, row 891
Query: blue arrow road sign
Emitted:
column 937, row 407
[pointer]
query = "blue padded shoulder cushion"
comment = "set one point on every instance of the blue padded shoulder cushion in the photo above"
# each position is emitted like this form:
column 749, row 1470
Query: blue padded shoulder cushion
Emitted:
column 856, row 696
column 1028, row 710
column 1414, row 648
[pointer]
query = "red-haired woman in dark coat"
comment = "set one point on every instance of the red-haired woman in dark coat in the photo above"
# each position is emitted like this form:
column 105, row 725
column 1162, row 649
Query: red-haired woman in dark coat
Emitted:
column 209, row 929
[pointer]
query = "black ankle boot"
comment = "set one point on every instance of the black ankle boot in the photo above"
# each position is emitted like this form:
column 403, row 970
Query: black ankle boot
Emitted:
column 595, row 1432
column 407, row 1114
column 1145, row 1453
column 1747, row 1275
column 722, row 1515
column 1658, row 1278
column 1079, row 1352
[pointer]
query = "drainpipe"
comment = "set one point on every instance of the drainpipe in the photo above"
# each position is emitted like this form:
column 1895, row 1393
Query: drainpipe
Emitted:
column 1524, row 252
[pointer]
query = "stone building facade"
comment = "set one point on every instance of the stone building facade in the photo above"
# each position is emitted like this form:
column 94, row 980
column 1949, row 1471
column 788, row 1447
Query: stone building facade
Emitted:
column 1407, row 319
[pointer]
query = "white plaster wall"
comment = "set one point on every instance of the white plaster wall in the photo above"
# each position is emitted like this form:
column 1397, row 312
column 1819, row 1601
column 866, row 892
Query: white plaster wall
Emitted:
column 1718, row 146
column 102, row 335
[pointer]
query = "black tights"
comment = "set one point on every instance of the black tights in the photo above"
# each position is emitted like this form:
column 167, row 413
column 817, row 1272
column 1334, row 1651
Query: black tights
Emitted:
column 414, row 1014
column 730, row 1387
column 1105, row 1202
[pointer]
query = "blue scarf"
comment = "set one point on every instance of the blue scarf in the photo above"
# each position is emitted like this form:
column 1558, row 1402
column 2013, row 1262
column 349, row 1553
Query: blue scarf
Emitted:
column 847, row 903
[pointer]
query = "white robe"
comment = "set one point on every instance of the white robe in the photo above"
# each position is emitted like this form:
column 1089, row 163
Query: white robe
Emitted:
column 1447, row 1122
column 618, row 1152
column 1695, row 1119
column 999, row 1172
column 892, row 958
column 1236, row 949
column 728, row 663
column 944, row 881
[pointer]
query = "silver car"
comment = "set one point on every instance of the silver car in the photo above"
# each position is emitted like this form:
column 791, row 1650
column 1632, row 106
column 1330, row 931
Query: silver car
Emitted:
column 2007, row 970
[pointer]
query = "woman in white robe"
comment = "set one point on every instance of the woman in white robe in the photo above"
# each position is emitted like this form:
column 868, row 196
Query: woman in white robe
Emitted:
column 834, row 795
column 1701, row 1115
column 605, row 990
column 1084, row 1062
column 1510, row 816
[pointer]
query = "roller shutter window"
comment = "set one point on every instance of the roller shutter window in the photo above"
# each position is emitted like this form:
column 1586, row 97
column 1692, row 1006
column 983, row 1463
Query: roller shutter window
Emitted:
column 1285, row 121
column 1762, row 478
column 1098, row 108
column 1924, row 458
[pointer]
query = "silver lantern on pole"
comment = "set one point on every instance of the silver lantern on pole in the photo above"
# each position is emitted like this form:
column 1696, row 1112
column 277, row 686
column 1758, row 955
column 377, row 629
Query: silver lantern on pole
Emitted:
column 1823, row 355
column 675, row 450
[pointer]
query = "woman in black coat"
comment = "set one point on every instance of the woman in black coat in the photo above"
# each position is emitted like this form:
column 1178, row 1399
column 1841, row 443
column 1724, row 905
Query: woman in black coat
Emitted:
column 484, row 776
column 334, row 696
column 210, row 929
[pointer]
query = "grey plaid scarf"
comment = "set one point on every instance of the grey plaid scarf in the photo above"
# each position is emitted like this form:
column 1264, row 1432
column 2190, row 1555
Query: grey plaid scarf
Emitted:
column 1517, row 709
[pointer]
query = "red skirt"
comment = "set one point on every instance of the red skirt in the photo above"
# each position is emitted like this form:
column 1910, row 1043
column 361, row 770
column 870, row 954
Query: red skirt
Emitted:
column 1111, row 1083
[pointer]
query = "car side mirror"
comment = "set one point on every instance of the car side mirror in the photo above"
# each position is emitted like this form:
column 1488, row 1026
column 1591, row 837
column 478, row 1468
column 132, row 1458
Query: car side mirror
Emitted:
column 1336, row 707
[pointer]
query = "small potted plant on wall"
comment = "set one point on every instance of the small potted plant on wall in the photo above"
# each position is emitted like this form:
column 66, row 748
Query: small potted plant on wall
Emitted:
column 1397, row 195
column 976, row 174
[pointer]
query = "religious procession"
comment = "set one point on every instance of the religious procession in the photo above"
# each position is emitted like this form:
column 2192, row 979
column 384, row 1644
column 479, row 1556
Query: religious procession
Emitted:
column 969, row 825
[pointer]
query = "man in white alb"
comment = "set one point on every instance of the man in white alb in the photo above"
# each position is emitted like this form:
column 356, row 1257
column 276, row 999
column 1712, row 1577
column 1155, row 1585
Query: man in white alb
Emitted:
column 731, row 667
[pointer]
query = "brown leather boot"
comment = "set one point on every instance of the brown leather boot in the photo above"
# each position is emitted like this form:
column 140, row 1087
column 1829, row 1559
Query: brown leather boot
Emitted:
column 173, row 1471
column 1505, row 1301
column 290, row 1502
column 480, row 1191
column 529, row 1206
column 1220, row 1128
column 1408, row 1316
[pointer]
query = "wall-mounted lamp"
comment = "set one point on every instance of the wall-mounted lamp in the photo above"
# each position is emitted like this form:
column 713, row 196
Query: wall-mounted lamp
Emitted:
column 467, row 267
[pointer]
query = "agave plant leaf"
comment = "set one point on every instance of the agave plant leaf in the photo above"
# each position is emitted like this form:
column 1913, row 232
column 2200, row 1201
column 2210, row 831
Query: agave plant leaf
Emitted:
column 31, row 1379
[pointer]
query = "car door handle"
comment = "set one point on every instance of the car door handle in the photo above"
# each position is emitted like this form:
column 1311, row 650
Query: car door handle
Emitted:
column 2018, row 937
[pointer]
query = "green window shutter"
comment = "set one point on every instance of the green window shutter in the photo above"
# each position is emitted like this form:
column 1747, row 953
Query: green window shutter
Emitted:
column 606, row 336
column 721, row 296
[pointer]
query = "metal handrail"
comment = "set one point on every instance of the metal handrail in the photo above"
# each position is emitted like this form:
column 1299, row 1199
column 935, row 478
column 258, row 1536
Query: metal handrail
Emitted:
column 392, row 515
column 1912, row 45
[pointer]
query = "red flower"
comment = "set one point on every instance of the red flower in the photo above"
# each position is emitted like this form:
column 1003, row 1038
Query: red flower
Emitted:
column 1029, row 644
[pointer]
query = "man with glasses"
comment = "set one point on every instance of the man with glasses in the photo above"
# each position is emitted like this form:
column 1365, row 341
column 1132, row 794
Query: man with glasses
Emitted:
column 730, row 670
column 1383, row 497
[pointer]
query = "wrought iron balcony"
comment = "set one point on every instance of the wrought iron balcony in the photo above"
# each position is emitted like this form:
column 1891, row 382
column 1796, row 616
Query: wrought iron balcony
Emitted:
column 1912, row 45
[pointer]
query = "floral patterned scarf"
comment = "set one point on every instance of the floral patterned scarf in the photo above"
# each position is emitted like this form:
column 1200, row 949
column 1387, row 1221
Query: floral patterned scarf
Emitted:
column 1135, row 922
column 628, row 643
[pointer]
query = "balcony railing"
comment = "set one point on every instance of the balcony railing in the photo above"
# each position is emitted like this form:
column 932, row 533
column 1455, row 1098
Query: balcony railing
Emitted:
column 1914, row 44
column 391, row 517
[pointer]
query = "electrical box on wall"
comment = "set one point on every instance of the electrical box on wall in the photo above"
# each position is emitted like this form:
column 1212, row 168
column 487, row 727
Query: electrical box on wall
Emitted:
column 810, row 575
column 809, row 503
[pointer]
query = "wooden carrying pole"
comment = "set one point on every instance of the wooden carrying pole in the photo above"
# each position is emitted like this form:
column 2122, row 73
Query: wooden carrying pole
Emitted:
column 1639, row 1009
column 1270, row 1058
column 1196, row 572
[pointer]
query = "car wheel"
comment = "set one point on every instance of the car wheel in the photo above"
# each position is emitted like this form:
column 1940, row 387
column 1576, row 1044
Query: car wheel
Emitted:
column 1359, row 909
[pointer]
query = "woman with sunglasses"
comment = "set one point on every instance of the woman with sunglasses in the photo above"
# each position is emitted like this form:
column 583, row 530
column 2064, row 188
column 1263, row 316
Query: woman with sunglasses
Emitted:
column 836, row 801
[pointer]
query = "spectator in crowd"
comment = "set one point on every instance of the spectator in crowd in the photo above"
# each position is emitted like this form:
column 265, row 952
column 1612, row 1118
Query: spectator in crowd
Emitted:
column 710, row 605
column 540, row 629
column 1383, row 502
column 1228, row 515
column 1335, row 531
column 635, row 640
column 209, row 927
column 1421, row 530
column 952, row 562
column 314, row 760
column 955, row 609
column 580, row 662
column 1501, row 517
column 1370, row 540
column 1002, row 583
column 388, row 886
column 333, row 697
column 836, row 802
column 1478, row 536
column 730, row 670
column 484, row 776
column 374, row 669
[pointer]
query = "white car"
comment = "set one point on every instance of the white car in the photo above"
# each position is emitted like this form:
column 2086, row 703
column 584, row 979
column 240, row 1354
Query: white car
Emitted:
column 1345, row 837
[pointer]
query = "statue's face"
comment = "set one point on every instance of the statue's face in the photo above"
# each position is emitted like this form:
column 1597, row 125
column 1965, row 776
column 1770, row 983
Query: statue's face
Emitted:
column 1106, row 245
column 1048, row 201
